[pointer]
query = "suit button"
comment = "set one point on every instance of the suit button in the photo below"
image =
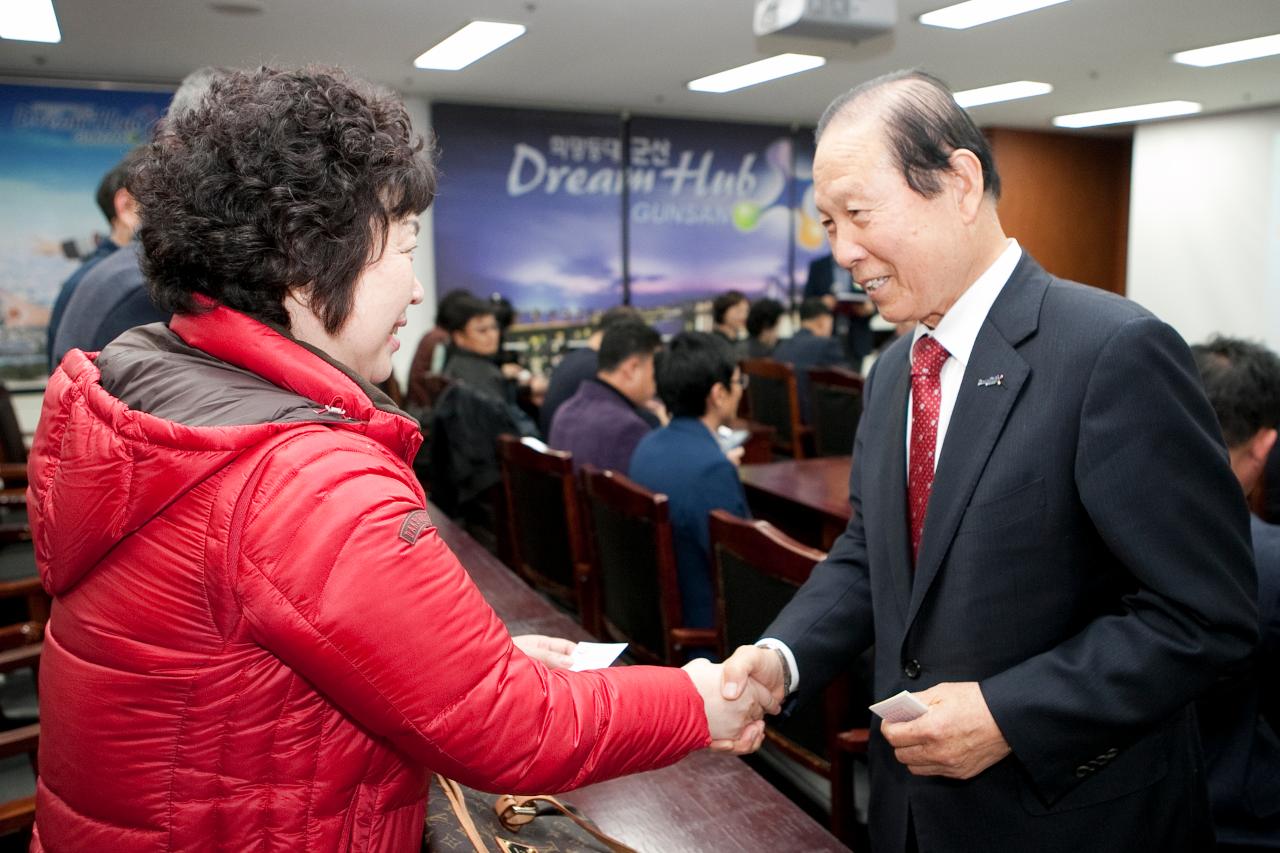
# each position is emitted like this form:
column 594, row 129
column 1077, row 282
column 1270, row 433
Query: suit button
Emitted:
column 1083, row 771
column 911, row 669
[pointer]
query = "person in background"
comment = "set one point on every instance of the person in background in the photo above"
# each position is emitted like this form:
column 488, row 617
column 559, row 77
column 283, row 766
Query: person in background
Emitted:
column 762, row 327
column 530, row 387
column 121, row 210
column 432, row 352
column 701, row 385
column 829, row 281
column 811, row 346
column 263, row 642
column 112, row 297
column 601, row 424
column 580, row 364
column 1240, row 717
column 729, row 319
column 1047, row 547
column 474, row 338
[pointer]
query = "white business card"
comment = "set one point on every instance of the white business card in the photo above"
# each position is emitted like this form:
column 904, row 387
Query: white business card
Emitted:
column 595, row 655
column 902, row 708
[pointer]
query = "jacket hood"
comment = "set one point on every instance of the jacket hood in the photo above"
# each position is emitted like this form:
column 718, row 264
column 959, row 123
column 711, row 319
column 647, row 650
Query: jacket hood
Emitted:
column 125, row 433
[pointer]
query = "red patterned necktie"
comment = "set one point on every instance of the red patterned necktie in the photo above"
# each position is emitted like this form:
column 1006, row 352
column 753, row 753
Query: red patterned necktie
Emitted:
column 927, row 358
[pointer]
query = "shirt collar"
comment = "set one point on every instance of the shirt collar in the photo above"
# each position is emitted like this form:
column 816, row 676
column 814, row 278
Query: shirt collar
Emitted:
column 612, row 390
column 959, row 327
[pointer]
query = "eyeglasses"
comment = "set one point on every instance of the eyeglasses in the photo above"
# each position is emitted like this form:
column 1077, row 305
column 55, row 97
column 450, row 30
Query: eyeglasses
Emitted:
column 742, row 380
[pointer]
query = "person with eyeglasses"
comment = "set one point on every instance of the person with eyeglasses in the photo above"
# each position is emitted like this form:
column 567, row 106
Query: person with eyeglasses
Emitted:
column 701, row 385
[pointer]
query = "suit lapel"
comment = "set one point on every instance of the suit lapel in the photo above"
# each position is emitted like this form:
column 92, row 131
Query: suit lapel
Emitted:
column 884, row 482
column 979, row 417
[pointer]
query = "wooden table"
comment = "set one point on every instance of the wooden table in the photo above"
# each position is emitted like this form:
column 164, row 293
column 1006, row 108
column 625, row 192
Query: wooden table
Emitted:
column 808, row 499
column 707, row 802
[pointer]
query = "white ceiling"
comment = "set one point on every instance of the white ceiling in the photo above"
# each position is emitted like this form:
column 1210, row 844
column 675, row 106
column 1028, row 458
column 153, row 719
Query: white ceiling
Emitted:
column 636, row 55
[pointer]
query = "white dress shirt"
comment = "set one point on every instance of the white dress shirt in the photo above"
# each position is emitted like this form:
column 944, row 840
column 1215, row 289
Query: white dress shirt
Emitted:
column 956, row 331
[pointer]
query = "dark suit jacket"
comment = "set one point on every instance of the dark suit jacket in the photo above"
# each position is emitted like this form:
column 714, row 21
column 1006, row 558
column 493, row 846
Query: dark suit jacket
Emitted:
column 68, row 289
column 859, row 340
column 684, row 461
column 803, row 350
column 1085, row 558
column 1240, row 721
column 111, row 299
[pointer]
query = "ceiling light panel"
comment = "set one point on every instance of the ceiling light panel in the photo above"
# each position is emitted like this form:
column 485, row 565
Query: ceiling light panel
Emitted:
column 29, row 20
column 782, row 65
column 1001, row 92
column 1127, row 115
column 962, row 16
column 1234, row 51
column 477, row 39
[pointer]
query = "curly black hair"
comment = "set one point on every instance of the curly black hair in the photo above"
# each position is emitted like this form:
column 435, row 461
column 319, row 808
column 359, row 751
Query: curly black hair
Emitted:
column 277, row 179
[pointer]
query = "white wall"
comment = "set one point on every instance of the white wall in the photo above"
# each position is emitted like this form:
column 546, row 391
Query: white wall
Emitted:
column 1204, row 225
column 421, row 317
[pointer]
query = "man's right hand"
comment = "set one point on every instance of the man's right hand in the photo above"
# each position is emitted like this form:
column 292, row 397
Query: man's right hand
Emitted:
column 735, row 725
column 762, row 664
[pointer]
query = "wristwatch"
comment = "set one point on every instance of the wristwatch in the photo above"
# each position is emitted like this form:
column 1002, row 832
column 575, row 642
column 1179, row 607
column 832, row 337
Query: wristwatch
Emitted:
column 786, row 672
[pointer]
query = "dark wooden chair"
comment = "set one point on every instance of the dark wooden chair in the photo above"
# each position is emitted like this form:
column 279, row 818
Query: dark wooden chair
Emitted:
column 775, row 402
column 633, row 569
column 544, row 518
column 17, row 815
column 13, row 464
column 756, row 569
column 835, row 396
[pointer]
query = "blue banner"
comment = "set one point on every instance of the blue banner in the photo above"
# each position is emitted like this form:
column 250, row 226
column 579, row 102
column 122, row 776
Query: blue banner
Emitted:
column 529, row 209
column 55, row 146
column 810, row 238
column 710, row 210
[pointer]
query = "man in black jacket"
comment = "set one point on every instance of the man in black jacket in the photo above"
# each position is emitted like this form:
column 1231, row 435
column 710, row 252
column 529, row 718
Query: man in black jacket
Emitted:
column 1240, row 718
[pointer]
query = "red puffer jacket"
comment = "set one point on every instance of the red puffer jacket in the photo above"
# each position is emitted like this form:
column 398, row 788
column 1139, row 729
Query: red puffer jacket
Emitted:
column 257, row 640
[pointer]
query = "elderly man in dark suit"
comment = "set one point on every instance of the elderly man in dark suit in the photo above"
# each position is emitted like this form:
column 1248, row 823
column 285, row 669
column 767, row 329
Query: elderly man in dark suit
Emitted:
column 1047, row 547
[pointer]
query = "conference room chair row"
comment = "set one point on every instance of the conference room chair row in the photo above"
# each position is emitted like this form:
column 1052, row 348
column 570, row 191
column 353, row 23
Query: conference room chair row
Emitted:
column 603, row 545
column 772, row 398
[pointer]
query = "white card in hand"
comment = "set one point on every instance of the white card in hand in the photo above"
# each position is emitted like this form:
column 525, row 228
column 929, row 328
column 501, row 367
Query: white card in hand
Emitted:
column 902, row 708
column 595, row 655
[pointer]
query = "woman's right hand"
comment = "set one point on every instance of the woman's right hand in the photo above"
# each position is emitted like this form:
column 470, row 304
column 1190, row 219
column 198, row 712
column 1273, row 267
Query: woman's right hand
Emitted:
column 736, row 725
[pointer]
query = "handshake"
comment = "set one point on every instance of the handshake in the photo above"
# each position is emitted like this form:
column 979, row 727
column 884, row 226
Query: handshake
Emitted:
column 737, row 694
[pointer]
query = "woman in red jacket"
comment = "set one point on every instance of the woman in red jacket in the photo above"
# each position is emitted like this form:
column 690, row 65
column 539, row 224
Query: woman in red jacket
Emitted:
column 258, row 640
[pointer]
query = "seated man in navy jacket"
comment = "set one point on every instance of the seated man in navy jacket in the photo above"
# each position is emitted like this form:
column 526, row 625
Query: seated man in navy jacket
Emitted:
column 811, row 346
column 1240, row 718
column 602, row 423
column 699, row 381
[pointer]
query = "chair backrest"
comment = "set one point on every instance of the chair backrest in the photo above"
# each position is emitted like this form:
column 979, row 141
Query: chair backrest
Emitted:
column 543, row 514
column 756, row 569
column 12, row 448
column 775, row 402
column 835, row 396
column 633, row 563
column 17, row 815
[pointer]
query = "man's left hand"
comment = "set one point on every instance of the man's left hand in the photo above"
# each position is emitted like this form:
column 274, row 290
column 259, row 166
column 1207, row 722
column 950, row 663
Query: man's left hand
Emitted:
column 957, row 737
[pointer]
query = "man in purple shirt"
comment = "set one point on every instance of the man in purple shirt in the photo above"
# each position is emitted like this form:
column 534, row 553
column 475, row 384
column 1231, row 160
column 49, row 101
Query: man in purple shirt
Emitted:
column 602, row 423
